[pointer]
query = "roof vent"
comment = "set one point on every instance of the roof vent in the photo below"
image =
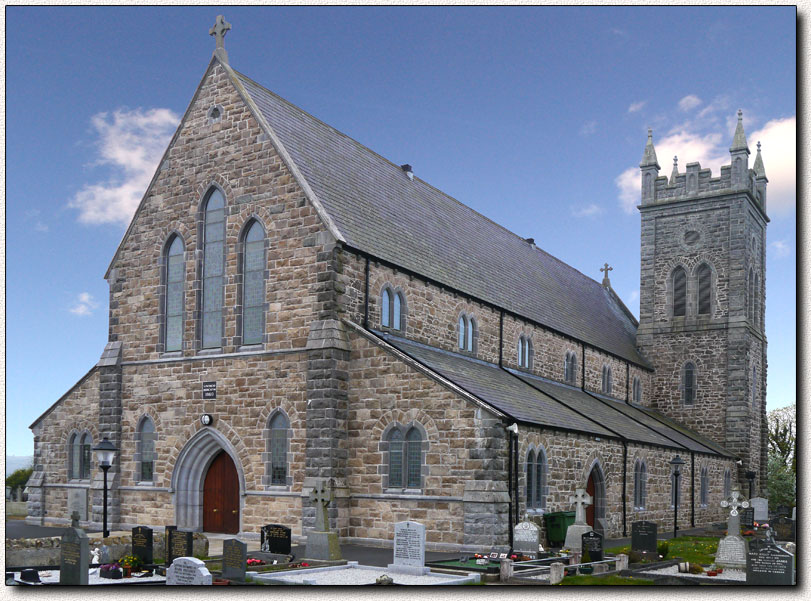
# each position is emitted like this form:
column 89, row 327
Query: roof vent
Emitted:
column 408, row 171
column 531, row 240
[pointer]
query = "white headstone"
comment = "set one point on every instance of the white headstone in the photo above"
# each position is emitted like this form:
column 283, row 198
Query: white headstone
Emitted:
column 761, row 507
column 77, row 501
column 188, row 571
column 409, row 548
column 526, row 538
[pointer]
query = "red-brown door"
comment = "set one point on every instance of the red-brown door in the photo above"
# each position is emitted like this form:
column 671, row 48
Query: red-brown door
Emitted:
column 590, row 508
column 221, row 496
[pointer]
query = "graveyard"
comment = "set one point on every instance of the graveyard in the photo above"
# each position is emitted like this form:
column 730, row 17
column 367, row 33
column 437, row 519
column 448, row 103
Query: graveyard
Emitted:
column 745, row 550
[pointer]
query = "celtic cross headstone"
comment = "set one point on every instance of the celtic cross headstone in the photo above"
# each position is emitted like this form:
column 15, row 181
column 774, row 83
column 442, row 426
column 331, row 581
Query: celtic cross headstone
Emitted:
column 581, row 498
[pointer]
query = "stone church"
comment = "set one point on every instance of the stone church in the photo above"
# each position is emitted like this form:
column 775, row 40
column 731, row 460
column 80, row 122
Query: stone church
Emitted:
column 288, row 305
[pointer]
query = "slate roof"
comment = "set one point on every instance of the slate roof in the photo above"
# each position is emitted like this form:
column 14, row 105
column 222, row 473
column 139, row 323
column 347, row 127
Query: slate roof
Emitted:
column 542, row 402
column 380, row 211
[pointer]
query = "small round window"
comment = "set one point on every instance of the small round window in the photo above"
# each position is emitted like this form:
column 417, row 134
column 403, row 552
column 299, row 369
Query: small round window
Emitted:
column 691, row 237
column 215, row 114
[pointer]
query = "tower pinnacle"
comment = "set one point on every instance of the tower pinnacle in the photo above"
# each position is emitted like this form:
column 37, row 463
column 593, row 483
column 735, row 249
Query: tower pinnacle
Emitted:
column 739, row 141
column 649, row 157
column 675, row 172
column 758, row 168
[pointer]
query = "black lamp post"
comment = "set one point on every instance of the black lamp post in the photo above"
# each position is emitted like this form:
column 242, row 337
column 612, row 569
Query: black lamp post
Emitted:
column 105, row 452
column 751, row 477
column 676, row 462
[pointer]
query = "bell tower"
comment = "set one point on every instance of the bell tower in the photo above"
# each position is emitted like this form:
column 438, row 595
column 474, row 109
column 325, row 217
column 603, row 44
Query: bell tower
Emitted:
column 702, row 298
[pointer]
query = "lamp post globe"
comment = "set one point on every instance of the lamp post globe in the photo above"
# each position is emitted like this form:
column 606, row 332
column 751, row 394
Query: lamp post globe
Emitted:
column 105, row 453
column 676, row 462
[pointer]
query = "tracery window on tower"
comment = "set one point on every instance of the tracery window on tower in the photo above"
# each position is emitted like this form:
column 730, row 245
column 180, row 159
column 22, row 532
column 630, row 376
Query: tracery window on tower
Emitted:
column 688, row 383
column 174, row 275
column 213, row 268
column 704, row 276
column 679, row 292
column 253, row 284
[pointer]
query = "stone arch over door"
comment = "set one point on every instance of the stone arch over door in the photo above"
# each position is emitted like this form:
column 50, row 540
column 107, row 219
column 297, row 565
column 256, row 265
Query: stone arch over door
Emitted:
column 189, row 476
column 595, row 486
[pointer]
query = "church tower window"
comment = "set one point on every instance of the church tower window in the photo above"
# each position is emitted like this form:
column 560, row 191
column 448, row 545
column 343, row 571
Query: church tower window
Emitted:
column 640, row 485
column 145, row 450
column 679, row 292
column 253, row 284
column 213, row 268
column 688, row 384
column 754, row 385
column 704, row 488
column 704, row 289
column 607, row 380
column 277, row 442
column 751, row 295
column 756, row 301
column 637, row 390
column 174, row 275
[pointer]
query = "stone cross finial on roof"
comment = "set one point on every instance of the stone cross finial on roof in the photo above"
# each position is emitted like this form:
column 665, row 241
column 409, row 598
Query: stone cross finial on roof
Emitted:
column 220, row 28
column 581, row 498
column 321, row 495
column 606, row 281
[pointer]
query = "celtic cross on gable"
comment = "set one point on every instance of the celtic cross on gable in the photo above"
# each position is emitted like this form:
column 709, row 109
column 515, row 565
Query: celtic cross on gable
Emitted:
column 321, row 495
column 605, row 270
column 221, row 26
column 581, row 498
column 734, row 500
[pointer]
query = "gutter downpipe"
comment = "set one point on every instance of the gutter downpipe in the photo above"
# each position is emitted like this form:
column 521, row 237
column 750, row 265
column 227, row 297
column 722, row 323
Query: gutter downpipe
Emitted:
column 624, row 488
column 366, row 295
column 692, row 489
column 510, row 483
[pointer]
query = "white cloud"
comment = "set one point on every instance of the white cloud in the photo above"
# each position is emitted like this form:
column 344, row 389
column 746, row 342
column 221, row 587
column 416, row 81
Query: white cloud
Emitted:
column 588, row 128
column 85, row 305
column 130, row 142
column 778, row 139
column 39, row 225
column 781, row 249
column 590, row 210
column 637, row 106
column 619, row 32
column 689, row 102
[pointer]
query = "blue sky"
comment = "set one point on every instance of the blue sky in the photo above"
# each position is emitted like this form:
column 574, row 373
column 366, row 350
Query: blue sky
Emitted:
column 534, row 116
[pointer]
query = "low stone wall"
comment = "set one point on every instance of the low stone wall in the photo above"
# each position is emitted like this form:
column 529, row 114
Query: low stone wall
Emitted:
column 16, row 508
column 22, row 552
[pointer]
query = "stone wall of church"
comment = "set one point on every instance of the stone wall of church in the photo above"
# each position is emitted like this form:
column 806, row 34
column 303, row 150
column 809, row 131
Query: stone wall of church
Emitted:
column 237, row 156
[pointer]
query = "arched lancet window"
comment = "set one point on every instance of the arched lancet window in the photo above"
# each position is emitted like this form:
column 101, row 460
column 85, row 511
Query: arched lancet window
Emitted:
column 405, row 458
column 688, row 383
column 640, row 484
column 704, row 494
column 536, row 480
column 414, row 458
column 679, row 292
column 145, row 449
column 524, row 352
column 727, row 483
column 531, row 479
column 704, row 289
column 637, row 390
column 751, row 296
column 607, row 380
column 754, row 385
column 756, row 301
column 396, row 459
column 79, row 446
column 279, row 428
column 174, row 275
column 385, row 308
column 570, row 368
column 213, row 268
column 397, row 313
column 253, row 284
column 675, row 493
column 467, row 333
column 462, row 331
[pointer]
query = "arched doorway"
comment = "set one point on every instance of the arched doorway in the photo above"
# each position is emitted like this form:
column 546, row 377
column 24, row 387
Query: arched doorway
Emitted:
column 595, row 487
column 221, row 496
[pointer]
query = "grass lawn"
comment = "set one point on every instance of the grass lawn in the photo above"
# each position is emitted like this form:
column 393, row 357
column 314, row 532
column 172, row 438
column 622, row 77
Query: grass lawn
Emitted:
column 696, row 549
column 590, row 580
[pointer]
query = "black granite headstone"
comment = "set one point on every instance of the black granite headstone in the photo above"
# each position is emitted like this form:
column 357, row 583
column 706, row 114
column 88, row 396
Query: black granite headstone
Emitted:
column 783, row 510
column 769, row 565
column 275, row 538
column 181, row 544
column 234, row 559
column 167, row 535
column 784, row 528
column 74, row 552
column 142, row 543
column 748, row 518
column 593, row 543
column 643, row 537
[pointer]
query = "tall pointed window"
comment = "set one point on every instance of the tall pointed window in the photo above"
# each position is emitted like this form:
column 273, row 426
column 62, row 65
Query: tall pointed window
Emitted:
column 688, row 383
column 704, row 495
column 704, row 289
column 751, row 296
column 637, row 390
column 396, row 459
column 145, row 449
column 174, row 276
column 754, row 384
column 391, row 309
column 570, row 368
column 536, row 480
column 79, row 456
column 679, row 292
column 253, row 285
column 727, row 483
column 397, row 317
column 524, row 352
column 213, row 268
column 756, row 301
column 414, row 458
column 279, row 428
column 607, row 380
column 467, row 333
column 405, row 458
column 531, row 479
column 640, row 485
column 385, row 308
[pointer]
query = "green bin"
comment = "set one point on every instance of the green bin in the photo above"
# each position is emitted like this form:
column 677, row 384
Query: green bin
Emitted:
column 556, row 525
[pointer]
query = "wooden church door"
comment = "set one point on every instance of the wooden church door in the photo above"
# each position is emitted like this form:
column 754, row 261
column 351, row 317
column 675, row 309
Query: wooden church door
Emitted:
column 590, row 508
column 221, row 496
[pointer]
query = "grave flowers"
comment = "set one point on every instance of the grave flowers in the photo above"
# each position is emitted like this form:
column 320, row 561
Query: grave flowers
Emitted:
column 255, row 562
column 110, row 570
column 129, row 563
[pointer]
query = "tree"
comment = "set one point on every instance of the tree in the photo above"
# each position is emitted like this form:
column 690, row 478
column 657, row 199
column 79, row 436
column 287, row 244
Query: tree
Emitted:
column 782, row 482
column 782, row 466
column 19, row 478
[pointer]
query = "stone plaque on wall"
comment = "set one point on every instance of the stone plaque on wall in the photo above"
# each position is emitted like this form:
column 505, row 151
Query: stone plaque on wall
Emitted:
column 77, row 501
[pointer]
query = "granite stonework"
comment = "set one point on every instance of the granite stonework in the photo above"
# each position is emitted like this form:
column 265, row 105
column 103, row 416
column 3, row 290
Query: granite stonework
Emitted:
column 188, row 571
column 770, row 565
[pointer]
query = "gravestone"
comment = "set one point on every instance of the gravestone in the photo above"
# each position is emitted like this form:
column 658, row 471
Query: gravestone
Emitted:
column 731, row 551
column 181, row 544
column 77, row 501
column 188, row 571
column 748, row 518
column 527, row 539
column 574, row 532
column 593, row 543
column 761, row 508
column 167, row 535
column 275, row 538
column 769, row 565
column 783, row 510
column 321, row 542
column 643, row 537
column 234, row 559
column 74, row 553
column 409, row 549
column 142, row 543
column 784, row 528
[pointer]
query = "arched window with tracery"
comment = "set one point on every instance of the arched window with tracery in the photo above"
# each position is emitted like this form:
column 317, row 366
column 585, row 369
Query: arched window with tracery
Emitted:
column 679, row 292
column 607, row 384
column 467, row 333
column 79, row 456
column 213, row 268
column 406, row 458
column 174, row 275
column 253, row 284
column 536, row 479
column 391, row 309
column 704, row 274
column 524, row 352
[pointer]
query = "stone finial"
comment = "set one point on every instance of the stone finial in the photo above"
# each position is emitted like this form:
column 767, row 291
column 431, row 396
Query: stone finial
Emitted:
column 758, row 168
column 220, row 28
column 649, row 156
column 606, row 281
column 739, row 140
column 675, row 173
